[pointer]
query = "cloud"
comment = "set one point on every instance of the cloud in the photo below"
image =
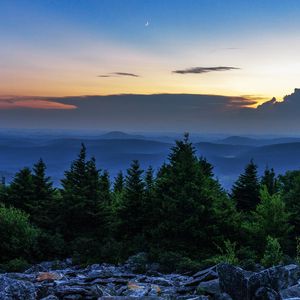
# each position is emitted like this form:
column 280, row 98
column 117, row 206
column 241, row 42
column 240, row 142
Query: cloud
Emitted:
column 201, row 70
column 158, row 112
column 126, row 74
column 117, row 74
column 17, row 103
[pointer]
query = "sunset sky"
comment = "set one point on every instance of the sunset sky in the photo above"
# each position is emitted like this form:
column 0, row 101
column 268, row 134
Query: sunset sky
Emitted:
column 62, row 48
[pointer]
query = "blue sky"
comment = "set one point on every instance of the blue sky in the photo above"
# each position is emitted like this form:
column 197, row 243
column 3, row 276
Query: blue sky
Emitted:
column 61, row 47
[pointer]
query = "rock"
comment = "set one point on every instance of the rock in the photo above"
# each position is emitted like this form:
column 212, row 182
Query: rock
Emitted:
column 51, row 276
column 242, row 285
column 50, row 297
column 211, row 287
column 210, row 275
column 104, row 281
column 222, row 296
column 205, row 271
column 278, row 278
column 265, row 293
column 135, row 289
column 291, row 292
column 48, row 266
column 233, row 281
column 129, row 298
column 191, row 297
column 137, row 263
column 64, row 290
column 12, row 289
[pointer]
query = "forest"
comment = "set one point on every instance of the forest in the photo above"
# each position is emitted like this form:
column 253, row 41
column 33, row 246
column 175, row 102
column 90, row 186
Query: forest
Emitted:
column 179, row 215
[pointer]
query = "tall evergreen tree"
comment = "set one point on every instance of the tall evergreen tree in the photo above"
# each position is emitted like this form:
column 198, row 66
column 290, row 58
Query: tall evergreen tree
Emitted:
column 188, row 205
column 81, row 197
column 290, row 192
column 44, row 197
column 3, row 192
column 245, row 191
column 131, row 212
column 105, row 188
column 119, row 183
column 117, row 194
column 149, row 180
column 21, row 192
column 206, row 167
column 270, row 218
column 270, row 181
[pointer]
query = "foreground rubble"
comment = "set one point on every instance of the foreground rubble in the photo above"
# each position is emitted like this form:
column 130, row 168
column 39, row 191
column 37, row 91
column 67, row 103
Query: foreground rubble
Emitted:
column 50, row 281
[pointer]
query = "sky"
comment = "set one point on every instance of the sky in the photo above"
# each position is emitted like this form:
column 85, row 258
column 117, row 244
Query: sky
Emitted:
column 52, row 51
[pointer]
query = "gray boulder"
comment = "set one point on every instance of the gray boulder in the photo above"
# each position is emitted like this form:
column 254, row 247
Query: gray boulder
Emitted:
column 243, row 285
column 265, row 293
column 222, row 296
column 211, row 287
column 12, row 289
column 291, row 292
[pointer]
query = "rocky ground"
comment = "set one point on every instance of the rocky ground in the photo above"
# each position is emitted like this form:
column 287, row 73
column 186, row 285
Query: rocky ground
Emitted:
column 53, row 281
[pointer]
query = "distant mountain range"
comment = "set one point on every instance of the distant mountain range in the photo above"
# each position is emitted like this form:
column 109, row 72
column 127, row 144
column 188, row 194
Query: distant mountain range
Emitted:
column 239, row 140
column 114, row 151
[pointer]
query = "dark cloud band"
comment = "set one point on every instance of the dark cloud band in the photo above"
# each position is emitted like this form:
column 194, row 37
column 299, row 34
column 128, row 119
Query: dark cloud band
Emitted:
column 116, row 74
column 201, row 70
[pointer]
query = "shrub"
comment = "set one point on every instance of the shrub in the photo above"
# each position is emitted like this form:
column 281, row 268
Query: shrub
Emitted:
column 15, row 265
column 273, row 254
column 18, row 237
column 227, row 254
column 175, row 262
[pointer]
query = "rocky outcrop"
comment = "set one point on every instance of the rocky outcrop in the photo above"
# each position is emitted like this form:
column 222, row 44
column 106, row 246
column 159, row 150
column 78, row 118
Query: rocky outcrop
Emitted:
column 267, row 284
column 53, row 281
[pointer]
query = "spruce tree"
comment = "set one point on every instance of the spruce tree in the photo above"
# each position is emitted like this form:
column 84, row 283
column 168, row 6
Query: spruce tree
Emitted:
column 245, row 191
column 270, row 218
column 290, row 192
column 189, row 206
column 105, row 188
column 119, row 183
column 206, row 167
column 270, row 181
column 21, row 192
column 80, row 197
column 132, row 210
column 44, row 195
column 117, row 194
column 149, row 180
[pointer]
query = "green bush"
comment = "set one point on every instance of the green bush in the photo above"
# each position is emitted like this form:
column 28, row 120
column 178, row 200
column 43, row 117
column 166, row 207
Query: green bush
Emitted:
column 175, row 262
column 15, row 265
column 18, row 237
column 227, row 254
column 273, row 254
column 50, row 246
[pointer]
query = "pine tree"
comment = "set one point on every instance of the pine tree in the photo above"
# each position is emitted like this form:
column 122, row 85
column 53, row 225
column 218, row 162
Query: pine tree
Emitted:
column 80, row 197
column 149, row 180
column 206, row 167
column 105, row 188
column 86, row 206
column 270, row 181
column 189, row 205
column 119, row 183
column 270, row 218
column 3, row 192
column 21, row 192
column 44, row 196
column 245, row 191
column 290, row 192
column 132, row 210
column 117, row 194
